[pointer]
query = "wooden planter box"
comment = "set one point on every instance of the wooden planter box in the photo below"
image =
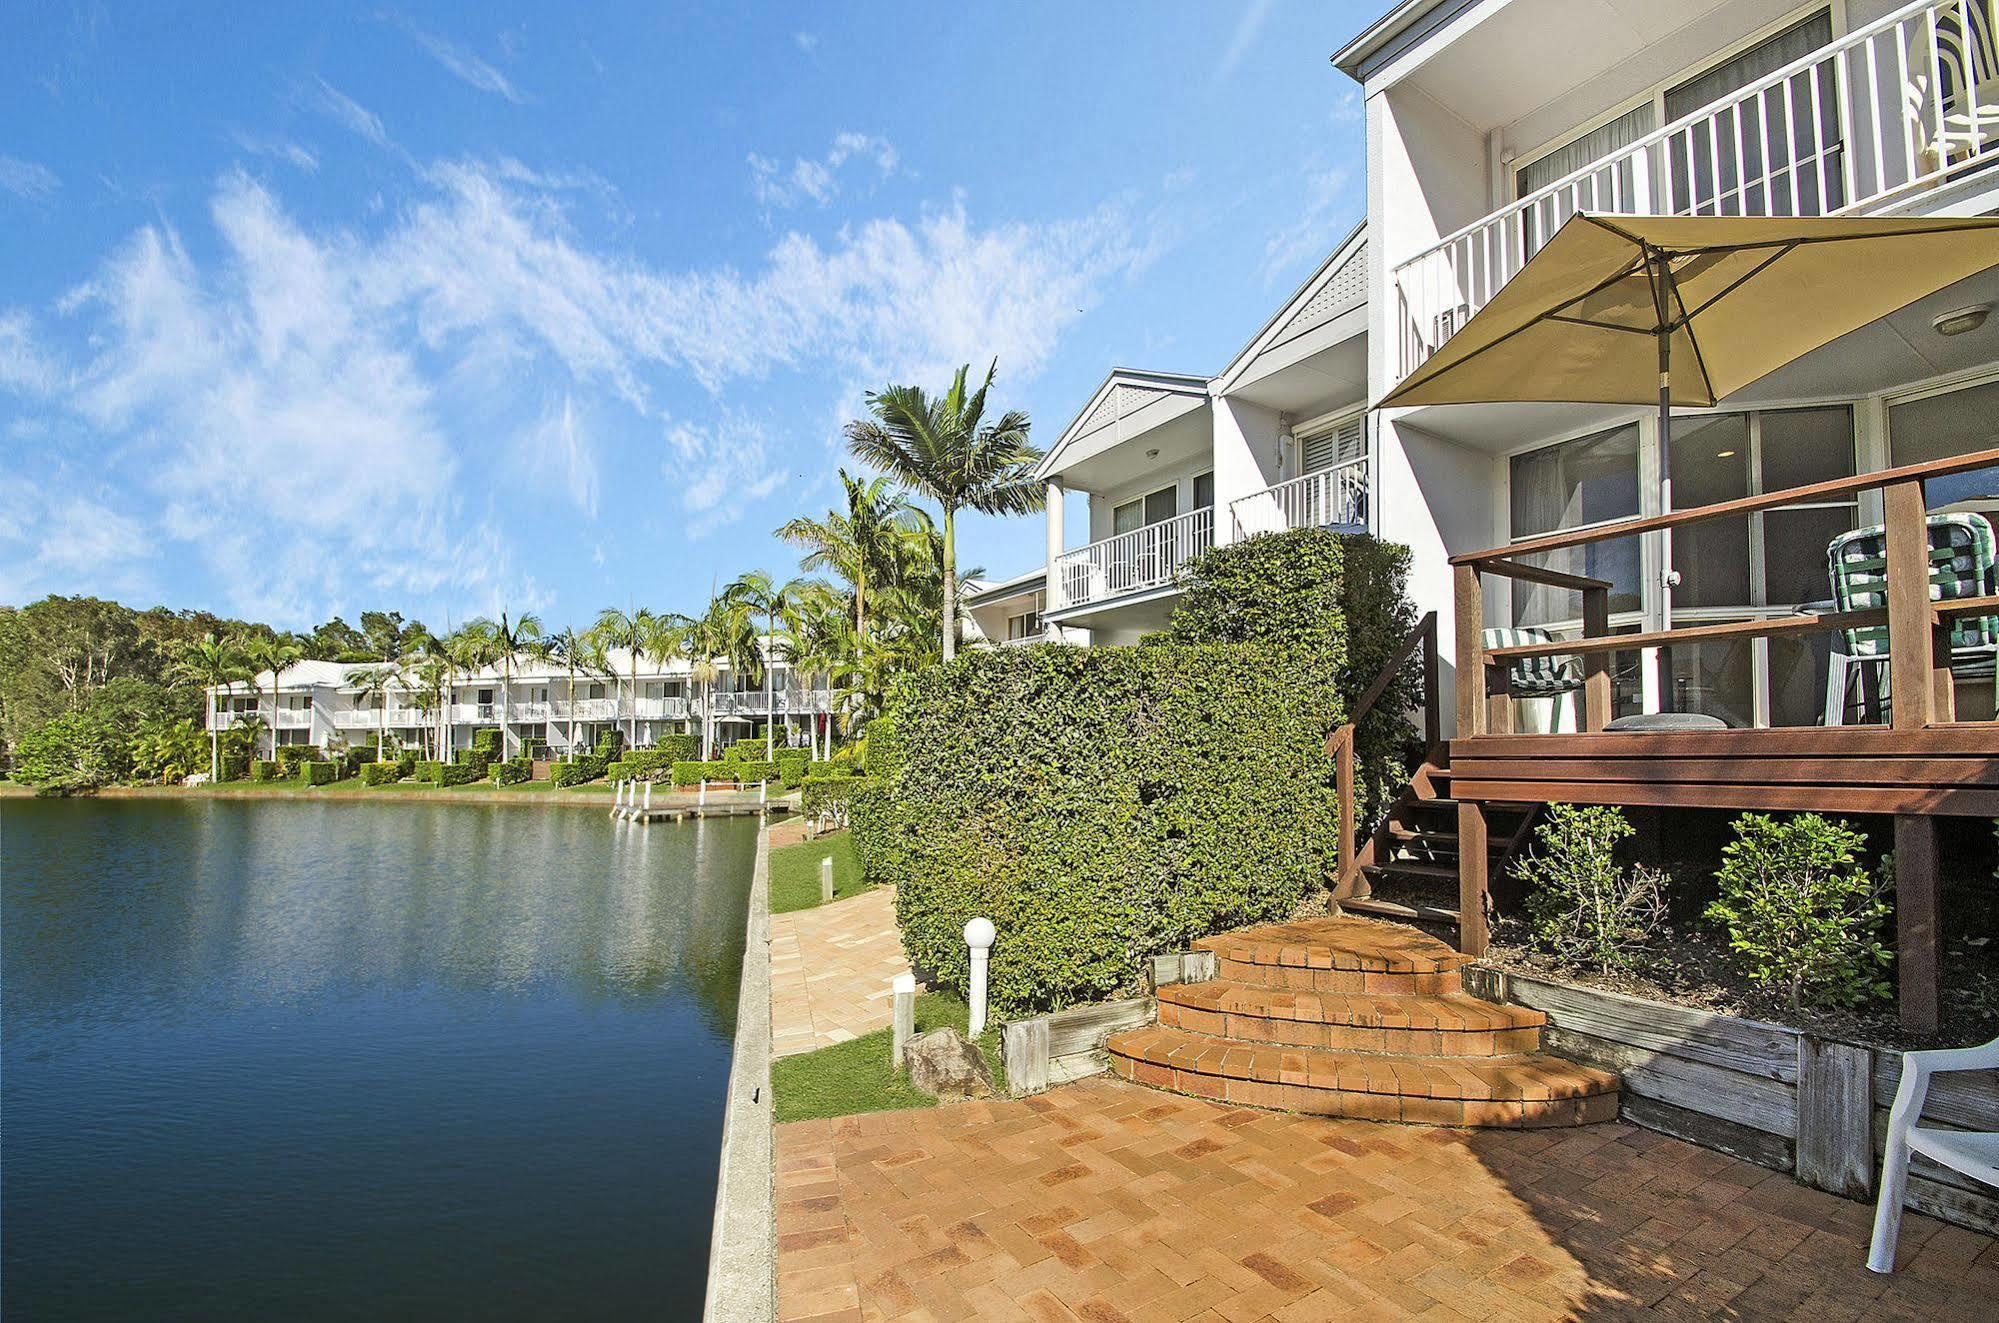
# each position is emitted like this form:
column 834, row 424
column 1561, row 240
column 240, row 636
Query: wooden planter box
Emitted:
column 1776, row 1096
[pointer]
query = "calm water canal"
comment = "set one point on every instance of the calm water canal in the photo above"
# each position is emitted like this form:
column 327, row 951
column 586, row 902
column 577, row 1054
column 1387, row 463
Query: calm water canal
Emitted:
column 332, row 1060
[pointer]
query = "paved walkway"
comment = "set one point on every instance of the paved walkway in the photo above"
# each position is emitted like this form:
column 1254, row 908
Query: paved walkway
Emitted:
column 830, row 968
column 1105, row 1201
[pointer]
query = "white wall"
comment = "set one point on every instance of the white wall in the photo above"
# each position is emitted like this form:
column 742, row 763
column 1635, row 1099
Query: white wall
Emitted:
column 1180, row 477
column 1248, row 446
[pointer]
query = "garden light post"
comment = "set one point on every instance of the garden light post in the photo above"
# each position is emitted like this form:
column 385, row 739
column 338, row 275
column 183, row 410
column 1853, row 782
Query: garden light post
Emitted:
column 826, row 879
column 903, row 986
column 979, row 936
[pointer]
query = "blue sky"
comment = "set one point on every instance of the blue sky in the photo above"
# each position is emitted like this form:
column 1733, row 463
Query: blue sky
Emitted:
column 451, row 308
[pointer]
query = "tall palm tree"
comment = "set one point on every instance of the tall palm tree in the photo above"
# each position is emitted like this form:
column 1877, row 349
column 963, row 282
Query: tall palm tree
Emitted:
column 862, row 544
column 375, row 683
column 471, row 649
column 574, row 652
column 621, row 629
column 823, row 645
column 662, row 637
column 431, row 677
column 751, row 595
column 512, row 638
column 944, row 449
column 213, row 663
column 273, row 655
column 710, row 639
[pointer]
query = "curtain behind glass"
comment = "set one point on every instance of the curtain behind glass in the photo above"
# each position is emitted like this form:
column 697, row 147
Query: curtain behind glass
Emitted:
column 1586, row 481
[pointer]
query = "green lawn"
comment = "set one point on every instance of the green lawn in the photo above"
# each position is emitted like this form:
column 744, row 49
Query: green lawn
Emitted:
column 794, row 872
column 850, row 1078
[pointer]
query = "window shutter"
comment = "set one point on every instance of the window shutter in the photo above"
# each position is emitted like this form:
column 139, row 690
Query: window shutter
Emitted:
column 1340, row 445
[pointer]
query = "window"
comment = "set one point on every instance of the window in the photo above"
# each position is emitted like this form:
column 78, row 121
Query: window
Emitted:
column 1152, row 508
column 1590, row 480
column 596, row 691
column 1607, row 188
column 1024, row 626
column 1340, row 444
column 1204, row 491
column 1758, row 156
column 1954, row 423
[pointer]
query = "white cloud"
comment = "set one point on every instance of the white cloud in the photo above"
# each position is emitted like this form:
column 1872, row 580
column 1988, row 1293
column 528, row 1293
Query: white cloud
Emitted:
column 24, row 367
column 30, row 181
column 1246, row 29
column 348, row 113
column 719, row 470
column 806, row 41
column 1333, row 203
column 817, row 180
column 463, row 64
column 556, row 450
column 280, row 149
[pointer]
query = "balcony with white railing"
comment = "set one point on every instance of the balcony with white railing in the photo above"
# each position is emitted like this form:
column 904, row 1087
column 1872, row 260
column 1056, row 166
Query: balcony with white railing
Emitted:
column 1877, row 117
column 1326, row 498
column 662, row 709
column 1143, row 560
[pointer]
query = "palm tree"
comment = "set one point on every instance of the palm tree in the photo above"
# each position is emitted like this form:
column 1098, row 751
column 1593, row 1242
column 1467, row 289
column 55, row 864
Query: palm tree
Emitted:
column 432, row 677
column 471, row 649
column 273, row 655
column 375, row 683
column 751, row 595
column 213, row 663
column 944, row 449
column 708, row 640
column 510, row 639
column 824, row 642
column 662, row 636
column 861, row 545
column 619, row 629
column 573, row 650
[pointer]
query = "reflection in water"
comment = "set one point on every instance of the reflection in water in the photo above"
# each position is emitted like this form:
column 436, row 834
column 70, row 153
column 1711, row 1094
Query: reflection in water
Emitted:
column 320, row 1059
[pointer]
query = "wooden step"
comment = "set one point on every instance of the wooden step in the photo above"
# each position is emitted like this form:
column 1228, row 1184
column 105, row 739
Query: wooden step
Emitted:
column 1452, row 1026
column 1377, row 908
column 1409, row 868
column 1511, row 1091
column 1339, row 955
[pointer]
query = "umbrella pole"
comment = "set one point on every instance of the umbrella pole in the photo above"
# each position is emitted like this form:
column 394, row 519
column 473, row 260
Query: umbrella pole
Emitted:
column 1656, row 263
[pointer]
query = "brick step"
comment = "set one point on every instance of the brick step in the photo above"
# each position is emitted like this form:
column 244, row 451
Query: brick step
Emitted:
column 1528, row 1090
column 1338, row 955
column 1449, row 1026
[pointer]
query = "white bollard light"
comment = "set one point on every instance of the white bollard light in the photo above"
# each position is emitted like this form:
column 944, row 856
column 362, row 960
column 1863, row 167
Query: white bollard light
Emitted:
column 903, row 1016
column 826, row 879
column 979, row 936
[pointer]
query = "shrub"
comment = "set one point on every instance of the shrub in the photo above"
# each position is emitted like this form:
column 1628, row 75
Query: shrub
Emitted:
column 318, row 774
column 694, row 772
column 487, row 741
column 676, row 748
column 291, row 755
column 378, row 774
column 1802, row 912
column 575, row 771
column 513, row 771
column 74, row 751
column 610, row 745
column 460, row 774
column 791, row 765
column 829, row 800
column 1098, row 805
column 749, row 773
column 1582, row 905
column 1340, row 597
column 405, row 766
column 267, row 769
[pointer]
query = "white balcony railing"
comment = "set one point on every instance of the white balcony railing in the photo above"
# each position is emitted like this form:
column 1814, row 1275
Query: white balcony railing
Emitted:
column 662, row 709
column 1326, row 498
column 370, row 717
column 1138, row 561
column 1901, row 105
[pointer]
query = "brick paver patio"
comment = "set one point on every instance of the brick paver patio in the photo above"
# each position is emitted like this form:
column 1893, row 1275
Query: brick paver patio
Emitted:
column 1105, row 1201
column 830, row 969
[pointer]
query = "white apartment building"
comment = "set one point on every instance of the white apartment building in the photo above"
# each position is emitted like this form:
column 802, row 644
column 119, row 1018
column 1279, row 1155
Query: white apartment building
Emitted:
column 317, row 703
column 1488, row 123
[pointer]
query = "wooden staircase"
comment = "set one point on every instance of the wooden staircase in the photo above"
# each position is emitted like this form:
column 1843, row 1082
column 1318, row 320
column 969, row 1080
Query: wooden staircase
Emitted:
column 1356, row 1018
column 1408, row 868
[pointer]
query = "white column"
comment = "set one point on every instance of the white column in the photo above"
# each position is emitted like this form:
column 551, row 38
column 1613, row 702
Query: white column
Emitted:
column 1248, row 445
column 1056, row 513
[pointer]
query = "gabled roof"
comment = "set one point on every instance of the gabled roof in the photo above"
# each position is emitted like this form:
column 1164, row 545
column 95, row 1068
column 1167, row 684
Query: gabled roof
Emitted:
column 1031, row 582
column 1337, row 286
column 1124, row 392
column 1393, row 33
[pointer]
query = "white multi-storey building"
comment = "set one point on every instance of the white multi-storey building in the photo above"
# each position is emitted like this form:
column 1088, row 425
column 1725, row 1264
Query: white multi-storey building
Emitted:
column 1488, row 123
column 315, row 702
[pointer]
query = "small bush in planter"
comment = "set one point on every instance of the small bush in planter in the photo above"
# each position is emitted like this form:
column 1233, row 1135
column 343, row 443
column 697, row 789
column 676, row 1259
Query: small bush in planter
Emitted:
column 1583, row 906
column 1803, row 914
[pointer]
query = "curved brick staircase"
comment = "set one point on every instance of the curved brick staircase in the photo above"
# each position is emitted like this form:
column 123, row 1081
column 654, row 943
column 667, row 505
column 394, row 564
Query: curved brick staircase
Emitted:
column 1359, row 1018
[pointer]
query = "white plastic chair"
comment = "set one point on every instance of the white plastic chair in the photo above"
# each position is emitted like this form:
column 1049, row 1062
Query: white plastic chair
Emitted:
column 1972, row 1152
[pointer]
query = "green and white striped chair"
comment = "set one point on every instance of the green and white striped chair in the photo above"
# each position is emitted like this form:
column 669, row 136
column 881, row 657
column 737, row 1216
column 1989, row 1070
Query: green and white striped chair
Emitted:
column 1551, row 678
column 1964, row 562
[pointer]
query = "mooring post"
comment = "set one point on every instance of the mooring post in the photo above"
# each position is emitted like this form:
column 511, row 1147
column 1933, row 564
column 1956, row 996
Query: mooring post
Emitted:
column 979, row 934
column 647, row 816
column 617, row 798
column 826, row 879
column 763, row 796
column 701, row 798
column 904, row 1020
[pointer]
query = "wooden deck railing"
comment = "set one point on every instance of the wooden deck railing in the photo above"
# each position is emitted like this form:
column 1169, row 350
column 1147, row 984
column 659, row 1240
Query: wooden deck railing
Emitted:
column 1340, row 744
column 1918, row 628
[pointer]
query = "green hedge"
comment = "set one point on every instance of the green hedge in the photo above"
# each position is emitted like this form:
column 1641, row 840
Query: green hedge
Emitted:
column 1099, row 805
column 379, row 774
column 749, row 773
column 488, row 741
column 694, row 772
column 405, row 766
column 676, row 748
column 318, row 774
column 513, row 771
column 575, row 771
column 829, row 796
column 460, row 774
column 791, row 767
column 267, row 769
column 291, row 755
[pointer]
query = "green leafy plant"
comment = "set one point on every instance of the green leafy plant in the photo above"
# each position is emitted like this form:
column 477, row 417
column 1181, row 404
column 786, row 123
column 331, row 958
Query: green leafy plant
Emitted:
column 1098, row 805
column 828, row 800
column 1583, row 906
column 1803, row 914
column 318, row 773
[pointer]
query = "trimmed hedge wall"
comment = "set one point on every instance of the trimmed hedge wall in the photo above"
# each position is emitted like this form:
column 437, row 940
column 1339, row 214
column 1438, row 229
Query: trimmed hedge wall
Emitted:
column 676, row 748
column 318, row 774
column 791, row 767
column 291, row 755
column 378, row 774
column 513, row 771
column 1099, row 805
column 267, row 769
column 575, row 771
column 829, row 797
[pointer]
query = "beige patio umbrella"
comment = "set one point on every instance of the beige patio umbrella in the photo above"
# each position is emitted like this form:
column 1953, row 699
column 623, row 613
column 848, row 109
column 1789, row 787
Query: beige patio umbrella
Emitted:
column 1688, row 309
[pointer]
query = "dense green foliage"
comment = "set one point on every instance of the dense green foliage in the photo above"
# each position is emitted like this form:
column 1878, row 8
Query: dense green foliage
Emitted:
column 829, row 799
column 513, row 771
column 792, row 765
column 1343, row 599
column 1583, row 905
column 1803, row 914
column 318, row 773
column 267, row 769
column 72, row 751
column 1099, row 806
column 794, row 872
column 379, row 774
